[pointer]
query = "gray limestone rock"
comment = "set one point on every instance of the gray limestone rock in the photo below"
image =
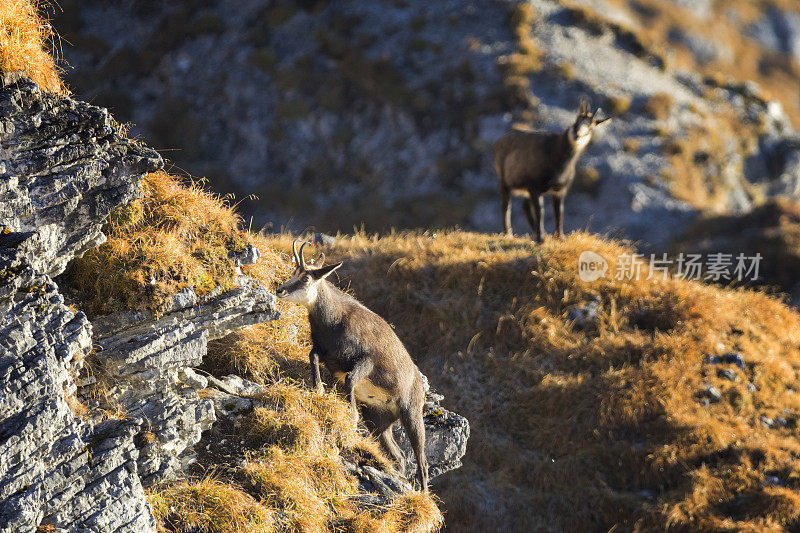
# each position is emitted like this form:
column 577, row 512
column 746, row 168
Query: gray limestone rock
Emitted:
column 63, row 169
column 150, row 360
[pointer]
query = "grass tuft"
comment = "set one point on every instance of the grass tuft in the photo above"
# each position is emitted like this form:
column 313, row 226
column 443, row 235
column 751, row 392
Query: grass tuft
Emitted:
column 26, row 44
column 177, row 235
column 209, row 506
column 659, row 105
column 528, row 58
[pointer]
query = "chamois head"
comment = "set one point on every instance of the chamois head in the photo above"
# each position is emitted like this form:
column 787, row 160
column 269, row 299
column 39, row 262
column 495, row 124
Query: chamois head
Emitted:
column 581, row 131
column 303, row 286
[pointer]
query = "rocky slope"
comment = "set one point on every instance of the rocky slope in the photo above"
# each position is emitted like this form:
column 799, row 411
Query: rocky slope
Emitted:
column 338, row 112
column 65, row 168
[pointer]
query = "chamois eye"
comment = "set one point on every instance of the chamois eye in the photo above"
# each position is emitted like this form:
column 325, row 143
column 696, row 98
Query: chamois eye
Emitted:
column 306, row 278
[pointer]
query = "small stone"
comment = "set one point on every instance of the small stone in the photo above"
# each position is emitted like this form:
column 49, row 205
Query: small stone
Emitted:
column 734, row 358
column 183, row 299
column 712, row 393
column 772, row 480
column 248, row 256
column 767, row 421
column 750, row 387
column 751, row 89
column 194, row 380
column 727, row 373
column 242, row 386
column 782, row 422
column 709, row 359
column 583, row 315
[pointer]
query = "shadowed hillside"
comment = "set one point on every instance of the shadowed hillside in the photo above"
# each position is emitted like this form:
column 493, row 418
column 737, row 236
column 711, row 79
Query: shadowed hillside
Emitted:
column 672, row 403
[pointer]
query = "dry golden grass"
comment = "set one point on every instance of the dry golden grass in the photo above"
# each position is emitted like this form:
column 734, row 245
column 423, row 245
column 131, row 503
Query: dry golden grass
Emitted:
column 618, row 105
column 26, row 44
column 528, row 58
column 177, row 235
column 411, row 512
column 631, row 145
column 524, row 61
column 209, row 506
column 296, row 468
column 587, row 429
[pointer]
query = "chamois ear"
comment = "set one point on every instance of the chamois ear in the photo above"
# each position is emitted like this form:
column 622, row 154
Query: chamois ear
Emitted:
column 598, row 122
column 584, row 109
column 324, row 272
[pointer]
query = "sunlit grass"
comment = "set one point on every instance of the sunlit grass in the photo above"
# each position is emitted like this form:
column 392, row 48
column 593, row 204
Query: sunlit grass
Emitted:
column 26, row 44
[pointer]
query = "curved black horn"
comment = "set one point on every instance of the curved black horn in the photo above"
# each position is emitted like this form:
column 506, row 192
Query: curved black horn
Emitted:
column 301, row 256
column 319, row 260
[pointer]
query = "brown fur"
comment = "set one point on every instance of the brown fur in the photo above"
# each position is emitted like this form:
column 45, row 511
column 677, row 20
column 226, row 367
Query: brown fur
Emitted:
column 365, row 355
column 534, row 163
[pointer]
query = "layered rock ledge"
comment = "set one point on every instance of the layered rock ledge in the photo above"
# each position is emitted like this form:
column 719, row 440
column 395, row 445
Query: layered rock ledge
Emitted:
column 63, row 169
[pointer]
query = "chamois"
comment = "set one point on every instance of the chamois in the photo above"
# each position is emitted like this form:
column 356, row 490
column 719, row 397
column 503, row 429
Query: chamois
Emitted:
column 363, row 352
column 532, row 163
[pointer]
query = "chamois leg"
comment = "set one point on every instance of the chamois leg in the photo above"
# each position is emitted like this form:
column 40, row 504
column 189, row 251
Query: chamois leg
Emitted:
column 387, row 439
column 360, row 371
column 381, row 423
column 411, row 417
column 535, row 215
column 558, row 210
column 505, row 208
column 316, row 381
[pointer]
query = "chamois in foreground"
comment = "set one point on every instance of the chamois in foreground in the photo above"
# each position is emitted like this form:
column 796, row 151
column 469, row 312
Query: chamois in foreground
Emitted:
column 361, row 350
column 532, row 163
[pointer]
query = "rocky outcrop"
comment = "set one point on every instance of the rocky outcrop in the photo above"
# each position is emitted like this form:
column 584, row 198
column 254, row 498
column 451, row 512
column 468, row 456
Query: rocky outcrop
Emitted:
column 446, row 438
column 63, row 168
column 148, row 365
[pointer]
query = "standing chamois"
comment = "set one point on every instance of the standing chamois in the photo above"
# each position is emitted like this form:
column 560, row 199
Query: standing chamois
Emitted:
column 361, row 351
column 532, row 163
